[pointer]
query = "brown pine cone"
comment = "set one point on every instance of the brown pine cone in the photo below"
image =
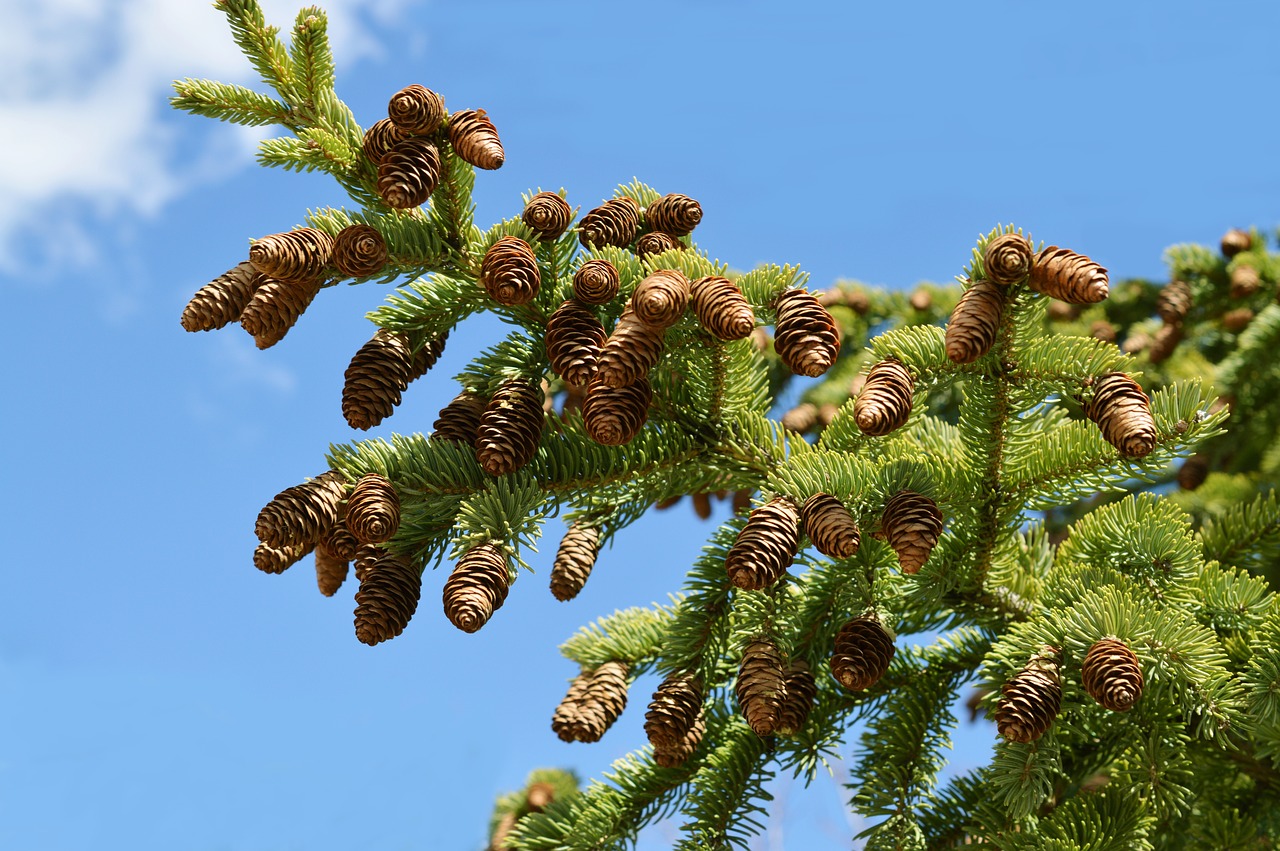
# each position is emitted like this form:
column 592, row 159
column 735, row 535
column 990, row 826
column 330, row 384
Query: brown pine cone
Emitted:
column 271, row 559
column 539, row 796
column 274, row 308
column 1030, row 701
column 1135, row 343
column 366, row 557
column 911, row 524
column 1102, row 330
column 574, row 340
column 1164, row 342
column 387, row 599
column 302, row 513
column 426, row 357
column 675, row 707
column 373, row 509
column 380, row 138
column 1193, row 472
column 475, row 139
column 299, row 256
column 674, row 214
column 547, row 214
column 1060, row 311
column 801, row 418
column 862, row 652
column 331, row 570
column 1069, row 277
column 1112, row 674
column 375, row 378
column 340, row 542
column 975, row 321
column 613, row 416
column 1007, row 260
column 594, row 701
column 761, row 686
column 596, row 282
column 575, row 558
column 221, row 301
column 408, row 173
column 502, row 831
column 676, row 755
column 510, row 427
column 655, row 242
column 1237, row 320
column 1122, row 412
column 630, row 351
column 359, row 251
column 830, row 526
column 1234, row 241
column 742, row 500
column 660, row 299
column 722, row 308
column 1245, row 281
column 477, row 587
column 921, row 300
column 805, row 335
column 885, row 401
column 702, row 505
column 509, row 272
column 1174, row 302
column 614, row 222
column 766, row 545
column 460, row 419
column 800, row 690
column 416, row 110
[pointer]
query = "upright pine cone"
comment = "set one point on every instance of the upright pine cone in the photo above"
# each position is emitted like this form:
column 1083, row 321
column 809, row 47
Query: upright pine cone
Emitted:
column 596, row 282
column 614, row 222
column 862, row 652
column 331, row 570
column 509, row 272
column 722, row 308
column 614, row 416
column 298, row 256
column 766, row 545
column 1123, row 414
column 574, row 560
column 416, row 110
column 674, row 214
column 1068, row 276
column 222, row 300
column 574, row 340
column 1193, row 472
column 674, row 756
column 475, row 139
column 375, row 378
column 477, row 587
column 830, row 526
column 885, row 401
column 387, row 599
column 274, row 308
column 547, row 214
column 630, row 351
column 799, row 690
column 1030, row 701
column 1174, row 302
column 1007, row 260
column 381, row 137
column 975, row 321
column 510, row 427
column 1112, row 675
column 271, row 559
column 761, row 686
column 660, row 299
column 805, row 335
column 675, row 707
column 655, row 242
column 460, row 419
column 911, row 524
column 409, row 173
column 1245, row 281
column 1234, row 241
column 373, row 509
column 594, row 701
column 359, row 251
column 302, row 513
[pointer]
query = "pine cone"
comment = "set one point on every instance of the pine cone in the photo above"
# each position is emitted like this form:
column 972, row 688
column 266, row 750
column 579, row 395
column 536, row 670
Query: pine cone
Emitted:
column 1102, row 330
column 340, row 542
column 501, row 832
column 801, row 418
column 380, row 138
column 805, row 334
column 574, row 560
column 359, row 251
column 1135, row 343
column 596, row 282
column 1123, row 414
column 655, row 242
column 408, row 173
column 676, row 755
column 1234, row 241
column 614, row 416
column 1237, row 320
column 331, row 570
column 366, row 557
column 1007, row 260
column 509, row 272
column 475, row 139
column 675, row 707
column 510, row 427
column 1060, row 311
column 477, row 587
column 547, row 214
column 722, row 308
column 674, row 214
column 426, row 357
column 911, row 524
column 221, row 301
column 387, row 599
column 921, row 300
column 702, row 505
column 302, row 513
column 416, row 110
column 375, row 378
column 1164, row 342
column 800, row 690
column 766, row 545
column 885, row 401
column 373, row 510
column 594, row 701
column 1112, row 675
column 1030, row 701
column 660, row 299
column 271, row 559
column 862, row 652
column 614, row 222
column 975, row 321
column 574, row 340
column 630, row 351
column 761, row 686
column 1245, row 281
column 460, row 419
column 299, row 256
column 1174, row 302
column 830, row 526
column 742, row 500
column 274, row 308
column 1193, row 472
column 1068, row 276
column 539, row 796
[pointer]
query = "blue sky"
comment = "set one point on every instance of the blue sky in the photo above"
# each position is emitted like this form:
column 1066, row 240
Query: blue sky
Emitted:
column 157, row 692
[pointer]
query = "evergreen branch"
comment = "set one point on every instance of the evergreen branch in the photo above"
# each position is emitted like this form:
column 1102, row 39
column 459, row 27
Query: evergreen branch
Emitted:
column 1246, row 534
column 310, row 55
column 262, row 45
column 431, row 306
column 722, row 801
column 452, row 212
column 228, row 102
column 634, row 636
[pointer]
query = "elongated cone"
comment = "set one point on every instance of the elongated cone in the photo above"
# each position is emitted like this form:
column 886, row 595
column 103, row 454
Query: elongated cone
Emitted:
column 805, row 334
column 800, row 691
column 1112, row 674
column 359, row 251
column 761, row 686
column 574, row 340
column 675, row 707
column 656, row 242
column 1174, row 302
column 475, row 139
column 975, row 321
column 408, row 173
column 1068, row 276
column 1165, row 341
column 331, row 570
column 766, row 545
column 1234, row 241
column 596, row 282
column 1102, row 330
column 1008, row 259
column 299, row 256
column 366, row 557
column 381, row 137
column 339, row 541
column 1237, row 320
column 547, row 214
column 1245, row 281
column 373, row 509
column 594, row 701
column 275, row 308
column 426, row 357
column 501, row 831
column 660, row 299
column 1122, row 412
column 630, row 351
column 510, row 427
column 574, row 560
column 911, row 524
column 302, row 513
column 614, row 222
column 830, row 526
column 387, row 599
column 885, row 401
column 221, row 301
column 539, row 796
column 460, row 419
column 416, row 110
column 673, row 756
column 702, row 505
column 801, row 418
column 1030, row 701
column 271, row 559
column 1193, row 472
column 722, row 308
column 477, row 587
column 613, row 416
column 509, row 272
column 674, row 214
column 862, row 652
column 377, row 375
